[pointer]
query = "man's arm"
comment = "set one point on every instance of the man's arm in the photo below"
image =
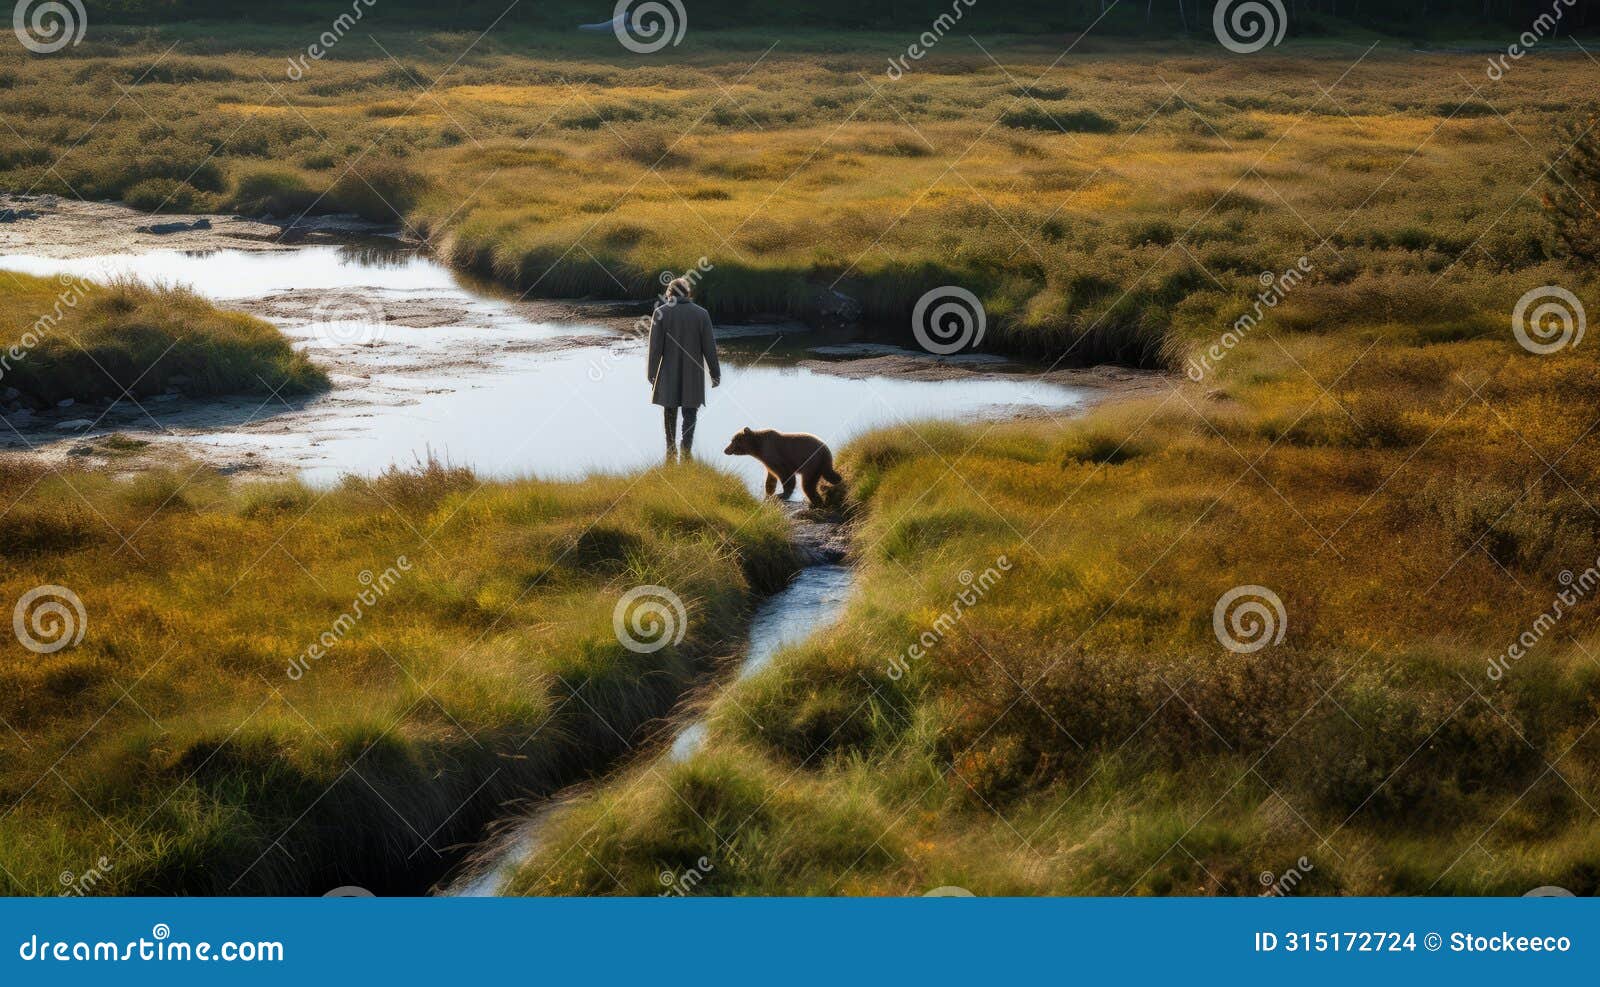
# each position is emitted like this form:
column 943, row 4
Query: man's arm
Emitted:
column 708, row 345
column 652, row 360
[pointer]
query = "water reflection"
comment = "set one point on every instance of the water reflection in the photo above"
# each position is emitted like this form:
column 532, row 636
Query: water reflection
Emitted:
column 227, row 274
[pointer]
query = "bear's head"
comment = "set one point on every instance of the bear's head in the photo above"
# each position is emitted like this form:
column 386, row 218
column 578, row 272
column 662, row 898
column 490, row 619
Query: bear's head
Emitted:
column 743, row 443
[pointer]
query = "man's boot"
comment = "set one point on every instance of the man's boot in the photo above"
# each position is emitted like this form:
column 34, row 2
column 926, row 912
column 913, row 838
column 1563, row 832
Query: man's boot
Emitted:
column 689, row 416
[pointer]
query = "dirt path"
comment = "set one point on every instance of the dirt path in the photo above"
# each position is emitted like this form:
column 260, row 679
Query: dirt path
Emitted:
column 57, row 227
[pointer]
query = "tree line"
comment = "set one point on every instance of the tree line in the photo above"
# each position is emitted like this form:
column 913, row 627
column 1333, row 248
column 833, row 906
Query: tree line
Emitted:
column 1415, row 18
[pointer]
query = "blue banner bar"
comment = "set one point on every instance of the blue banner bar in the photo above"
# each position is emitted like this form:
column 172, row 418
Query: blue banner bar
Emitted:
column 796, row 941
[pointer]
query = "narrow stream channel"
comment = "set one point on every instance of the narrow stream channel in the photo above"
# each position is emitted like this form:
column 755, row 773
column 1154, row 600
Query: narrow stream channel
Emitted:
column 810, row 603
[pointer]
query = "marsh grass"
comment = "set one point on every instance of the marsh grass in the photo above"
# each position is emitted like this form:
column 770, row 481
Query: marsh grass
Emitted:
column 173, row 742
column 1100, row 215
column 1377, row 450
column 71, row 338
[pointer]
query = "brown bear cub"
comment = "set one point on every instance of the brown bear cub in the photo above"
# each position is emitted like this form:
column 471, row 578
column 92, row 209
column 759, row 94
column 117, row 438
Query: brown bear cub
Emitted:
column 785, row 455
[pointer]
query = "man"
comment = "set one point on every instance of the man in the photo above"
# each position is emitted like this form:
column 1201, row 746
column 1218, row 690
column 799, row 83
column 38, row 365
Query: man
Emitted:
column 682, row 349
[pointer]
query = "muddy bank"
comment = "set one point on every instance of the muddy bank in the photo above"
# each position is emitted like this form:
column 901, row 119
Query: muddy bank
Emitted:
column 880, row 360
column 69, row 229
column 73, row 228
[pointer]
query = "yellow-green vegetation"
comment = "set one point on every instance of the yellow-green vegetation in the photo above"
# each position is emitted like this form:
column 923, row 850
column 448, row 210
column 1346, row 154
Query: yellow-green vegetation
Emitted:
column 464, row 655
column 69, row 337
column 1101, row 204
column 1376, row 450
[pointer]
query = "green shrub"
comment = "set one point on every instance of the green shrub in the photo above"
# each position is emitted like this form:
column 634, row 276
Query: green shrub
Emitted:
column 271, row 191
column 1065, row 120
column 165, row 195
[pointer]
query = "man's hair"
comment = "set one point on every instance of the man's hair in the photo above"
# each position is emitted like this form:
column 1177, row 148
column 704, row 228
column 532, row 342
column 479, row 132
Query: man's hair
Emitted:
column 680, row 288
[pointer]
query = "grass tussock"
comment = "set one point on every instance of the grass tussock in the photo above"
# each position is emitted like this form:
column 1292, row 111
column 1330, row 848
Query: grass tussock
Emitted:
column 71, row 338
column 468, row 659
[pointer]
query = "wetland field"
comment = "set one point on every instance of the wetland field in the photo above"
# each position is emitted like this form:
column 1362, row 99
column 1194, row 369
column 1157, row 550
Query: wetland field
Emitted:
column 1220, row 509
